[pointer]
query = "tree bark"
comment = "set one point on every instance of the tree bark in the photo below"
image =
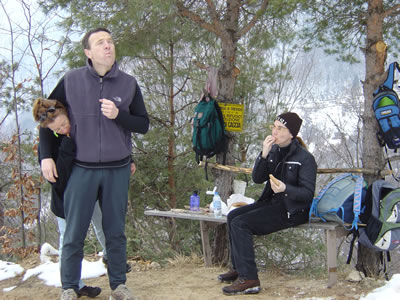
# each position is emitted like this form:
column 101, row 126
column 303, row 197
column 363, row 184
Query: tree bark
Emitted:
column 368, row 261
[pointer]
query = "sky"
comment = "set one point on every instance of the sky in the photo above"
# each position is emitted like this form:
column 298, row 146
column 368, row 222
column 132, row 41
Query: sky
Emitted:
column 49, row 274
column 27, row 72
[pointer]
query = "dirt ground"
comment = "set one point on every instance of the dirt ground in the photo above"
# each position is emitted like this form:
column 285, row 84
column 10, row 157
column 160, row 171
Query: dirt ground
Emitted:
column 188, row 279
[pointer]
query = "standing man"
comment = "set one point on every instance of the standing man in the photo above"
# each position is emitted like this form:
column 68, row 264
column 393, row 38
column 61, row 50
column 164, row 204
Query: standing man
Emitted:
column 105, row 106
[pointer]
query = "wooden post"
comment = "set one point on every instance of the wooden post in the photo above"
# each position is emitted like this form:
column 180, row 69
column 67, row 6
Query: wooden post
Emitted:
column 205, row 240
column 319, row 171
column 331, row 260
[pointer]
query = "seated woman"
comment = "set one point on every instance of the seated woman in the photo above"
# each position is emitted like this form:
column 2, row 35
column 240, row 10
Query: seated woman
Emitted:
column 284, row 203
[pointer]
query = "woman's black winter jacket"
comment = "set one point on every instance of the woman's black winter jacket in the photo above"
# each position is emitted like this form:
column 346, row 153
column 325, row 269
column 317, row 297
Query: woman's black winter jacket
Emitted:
column 298, row 170
column 64, row 156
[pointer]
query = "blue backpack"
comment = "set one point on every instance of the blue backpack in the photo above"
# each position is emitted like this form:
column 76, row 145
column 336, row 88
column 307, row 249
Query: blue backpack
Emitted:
column 341, row 201
column 387, row 112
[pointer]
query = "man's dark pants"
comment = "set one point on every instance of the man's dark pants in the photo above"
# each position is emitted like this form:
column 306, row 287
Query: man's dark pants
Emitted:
column 85, row 186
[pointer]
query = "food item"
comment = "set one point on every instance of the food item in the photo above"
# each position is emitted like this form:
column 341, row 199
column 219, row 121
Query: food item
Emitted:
column 238, row 204
column 274, row 180
column 177, row 210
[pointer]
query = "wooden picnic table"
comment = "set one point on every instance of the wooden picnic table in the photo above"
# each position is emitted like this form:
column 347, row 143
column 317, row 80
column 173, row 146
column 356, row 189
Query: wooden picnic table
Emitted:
column 208, row 220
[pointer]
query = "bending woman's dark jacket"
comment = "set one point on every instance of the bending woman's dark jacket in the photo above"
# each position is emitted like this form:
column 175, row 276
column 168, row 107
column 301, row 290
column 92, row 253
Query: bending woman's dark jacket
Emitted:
column 64, row 156
column 298, row 170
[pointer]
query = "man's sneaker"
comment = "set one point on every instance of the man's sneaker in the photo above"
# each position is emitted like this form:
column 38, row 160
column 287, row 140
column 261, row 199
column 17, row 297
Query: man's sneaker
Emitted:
column 128, row 266
column 89, row 291
column 242, row 286
column 69, row 294
column 228, row 277
column 122, row 293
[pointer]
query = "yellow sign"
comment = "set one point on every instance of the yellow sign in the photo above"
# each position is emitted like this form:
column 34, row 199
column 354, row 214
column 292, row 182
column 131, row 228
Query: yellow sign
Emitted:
column 233, row 116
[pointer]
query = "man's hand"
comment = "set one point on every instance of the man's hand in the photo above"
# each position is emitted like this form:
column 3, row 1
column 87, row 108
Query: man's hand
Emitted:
column 49, row 170
column 133, row 168
column 108, row 109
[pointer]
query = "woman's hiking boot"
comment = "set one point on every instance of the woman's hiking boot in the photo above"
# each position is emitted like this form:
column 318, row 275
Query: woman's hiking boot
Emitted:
column 228, row 277
column 242, row 286
column 89, row 291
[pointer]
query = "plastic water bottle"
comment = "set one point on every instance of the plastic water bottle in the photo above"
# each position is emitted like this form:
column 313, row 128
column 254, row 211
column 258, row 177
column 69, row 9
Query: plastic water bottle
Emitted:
column 217, row 206
column 195, row 201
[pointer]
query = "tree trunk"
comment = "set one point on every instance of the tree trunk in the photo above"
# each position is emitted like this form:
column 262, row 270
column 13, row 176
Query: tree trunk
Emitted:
column 227, row 77
column 171, row 150
column 226, row 27
column 368, row 261
column 171, row 135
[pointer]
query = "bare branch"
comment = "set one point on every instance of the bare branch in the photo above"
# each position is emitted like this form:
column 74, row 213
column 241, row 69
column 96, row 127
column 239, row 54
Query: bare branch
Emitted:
column 182, row 86
column 253, row 21
column 5, row 117
column 183, row 11
column 186, row 105
column 200, row 65
column 215, row 16
column 392, row 12
column 161, row 121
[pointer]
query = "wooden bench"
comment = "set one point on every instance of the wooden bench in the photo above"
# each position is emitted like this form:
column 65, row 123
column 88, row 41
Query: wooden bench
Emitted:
column 207, row 221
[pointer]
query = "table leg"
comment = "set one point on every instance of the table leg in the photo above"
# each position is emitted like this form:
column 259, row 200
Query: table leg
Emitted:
column 205, row 240
column 332, row 260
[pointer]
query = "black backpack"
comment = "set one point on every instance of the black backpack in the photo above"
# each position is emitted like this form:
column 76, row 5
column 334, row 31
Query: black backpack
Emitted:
column 381, row 220
column 387, row 112
column 209, row 137
column 382, row 217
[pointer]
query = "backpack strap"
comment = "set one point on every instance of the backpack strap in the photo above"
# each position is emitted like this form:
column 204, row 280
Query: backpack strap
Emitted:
column 356, row 234
column 390, row 77
column 388, row 84
column 390, row 165
column 358, row 189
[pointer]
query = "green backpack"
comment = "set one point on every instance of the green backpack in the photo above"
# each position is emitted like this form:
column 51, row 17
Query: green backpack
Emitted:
column 208, row 136
column 382, row 217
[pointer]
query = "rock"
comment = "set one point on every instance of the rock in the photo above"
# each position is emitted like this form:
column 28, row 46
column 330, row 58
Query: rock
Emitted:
column 155, row 265
column 355, row 276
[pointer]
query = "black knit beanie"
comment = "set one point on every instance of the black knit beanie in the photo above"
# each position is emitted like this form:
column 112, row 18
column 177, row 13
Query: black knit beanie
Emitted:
column 292, row 121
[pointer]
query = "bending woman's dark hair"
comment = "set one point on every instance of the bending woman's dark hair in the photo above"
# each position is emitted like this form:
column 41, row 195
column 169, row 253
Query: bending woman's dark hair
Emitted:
column 46, row 111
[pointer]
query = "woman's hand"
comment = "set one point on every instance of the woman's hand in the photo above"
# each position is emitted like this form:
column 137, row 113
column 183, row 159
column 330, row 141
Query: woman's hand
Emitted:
column 278, row 187
column 49, row 170
column 267, row 145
